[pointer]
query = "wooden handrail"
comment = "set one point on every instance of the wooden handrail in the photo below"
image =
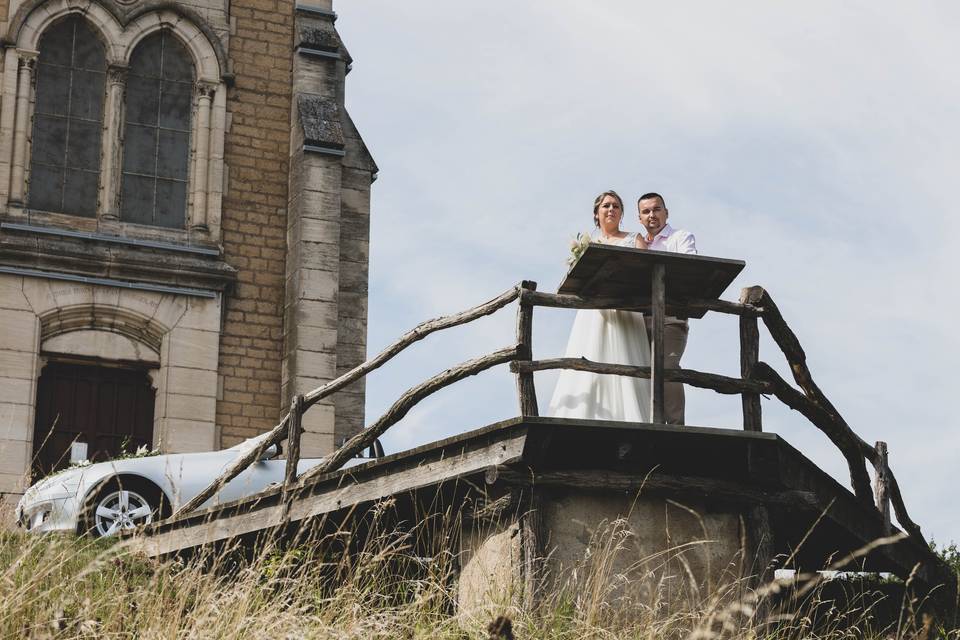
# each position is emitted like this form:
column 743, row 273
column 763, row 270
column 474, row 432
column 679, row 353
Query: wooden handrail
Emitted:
column 687, row 307
column 279, row 432
column 400, row 408
column 718, row 383
column 758, row 378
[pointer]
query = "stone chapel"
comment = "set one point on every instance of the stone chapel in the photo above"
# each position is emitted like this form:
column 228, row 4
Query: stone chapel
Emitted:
column 184, row 227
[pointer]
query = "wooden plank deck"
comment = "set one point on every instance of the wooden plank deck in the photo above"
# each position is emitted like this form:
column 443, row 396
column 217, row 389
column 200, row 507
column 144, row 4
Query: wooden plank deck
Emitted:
column 716, row 466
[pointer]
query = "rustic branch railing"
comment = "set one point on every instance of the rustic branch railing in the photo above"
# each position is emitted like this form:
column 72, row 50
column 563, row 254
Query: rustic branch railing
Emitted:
column 758, row 378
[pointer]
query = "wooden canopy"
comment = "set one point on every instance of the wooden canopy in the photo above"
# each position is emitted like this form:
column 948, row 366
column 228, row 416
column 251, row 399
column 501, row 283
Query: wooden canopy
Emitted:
column 624, row 272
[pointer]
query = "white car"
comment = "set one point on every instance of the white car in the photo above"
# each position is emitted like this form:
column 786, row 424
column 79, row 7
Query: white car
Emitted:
column 105, row 497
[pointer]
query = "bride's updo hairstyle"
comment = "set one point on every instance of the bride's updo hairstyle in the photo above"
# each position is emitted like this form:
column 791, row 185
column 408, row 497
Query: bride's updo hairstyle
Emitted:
column 599, row 199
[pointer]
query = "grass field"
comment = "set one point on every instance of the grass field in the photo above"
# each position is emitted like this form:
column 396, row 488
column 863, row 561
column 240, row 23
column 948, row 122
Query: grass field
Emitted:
column 64, row 587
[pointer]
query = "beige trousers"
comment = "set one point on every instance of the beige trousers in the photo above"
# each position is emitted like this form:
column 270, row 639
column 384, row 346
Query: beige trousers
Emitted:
column 674, row 342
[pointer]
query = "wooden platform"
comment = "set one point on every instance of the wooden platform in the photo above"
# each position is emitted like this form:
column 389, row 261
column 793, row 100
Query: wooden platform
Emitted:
column 623, row 272
column 808, row 510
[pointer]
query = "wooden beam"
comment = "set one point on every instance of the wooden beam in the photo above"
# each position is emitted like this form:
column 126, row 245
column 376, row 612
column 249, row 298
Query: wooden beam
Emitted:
column 526, row 391
column 569, row 301
column 293, row 442
column 658, row 484
column 692, row 377
column 749, row 355
column 407, row 401
column 336, row 493
column 658, row 316
column 881, row 474
column 610, row 265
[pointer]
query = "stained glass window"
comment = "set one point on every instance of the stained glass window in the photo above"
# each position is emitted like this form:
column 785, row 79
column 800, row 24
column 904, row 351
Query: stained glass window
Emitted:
column 156, row 145
column 68, row 120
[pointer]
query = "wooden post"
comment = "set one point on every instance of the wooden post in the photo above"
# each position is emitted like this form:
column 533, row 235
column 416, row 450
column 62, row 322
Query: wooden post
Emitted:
column 658, row 308
column 526, row 391
column 293, row 442
column 882, row 486
column 749, row 355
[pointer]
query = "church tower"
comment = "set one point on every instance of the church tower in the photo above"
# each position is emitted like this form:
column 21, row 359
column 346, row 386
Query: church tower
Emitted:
column 184, row 227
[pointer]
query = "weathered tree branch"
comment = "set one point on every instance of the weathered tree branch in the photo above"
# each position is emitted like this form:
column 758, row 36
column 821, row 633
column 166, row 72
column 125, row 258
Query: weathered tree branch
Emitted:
column 419, row 332
column 839, row 433
column 788, row 342
column 718, row 383
column 400, row 408
column 274, row 436
column 277, row 434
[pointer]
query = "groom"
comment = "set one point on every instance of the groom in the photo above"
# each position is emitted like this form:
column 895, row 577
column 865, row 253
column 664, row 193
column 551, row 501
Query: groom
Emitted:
column 661, row 236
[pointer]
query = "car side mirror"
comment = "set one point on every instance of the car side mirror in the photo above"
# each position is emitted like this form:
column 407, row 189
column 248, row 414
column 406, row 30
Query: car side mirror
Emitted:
column 271, row 452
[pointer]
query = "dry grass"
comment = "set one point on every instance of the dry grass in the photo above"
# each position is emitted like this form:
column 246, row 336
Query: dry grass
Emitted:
column 62, row 587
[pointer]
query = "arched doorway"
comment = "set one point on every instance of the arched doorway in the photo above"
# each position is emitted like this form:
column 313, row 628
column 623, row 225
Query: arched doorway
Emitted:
column 108, row 408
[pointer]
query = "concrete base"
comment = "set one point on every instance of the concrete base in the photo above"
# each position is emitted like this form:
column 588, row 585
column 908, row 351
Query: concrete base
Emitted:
column 622, row 556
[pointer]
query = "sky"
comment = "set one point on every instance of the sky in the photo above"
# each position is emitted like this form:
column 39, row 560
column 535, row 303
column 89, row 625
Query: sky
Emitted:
column 816, row 141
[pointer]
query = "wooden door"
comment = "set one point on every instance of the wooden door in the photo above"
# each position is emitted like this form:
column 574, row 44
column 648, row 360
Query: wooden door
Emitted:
column 110, row 409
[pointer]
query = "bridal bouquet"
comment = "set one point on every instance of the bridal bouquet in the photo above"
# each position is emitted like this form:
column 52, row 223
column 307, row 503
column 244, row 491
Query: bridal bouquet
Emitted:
column 577, row 246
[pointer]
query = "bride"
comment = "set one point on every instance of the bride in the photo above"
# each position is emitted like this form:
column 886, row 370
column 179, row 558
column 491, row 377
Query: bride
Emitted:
column 606, row 335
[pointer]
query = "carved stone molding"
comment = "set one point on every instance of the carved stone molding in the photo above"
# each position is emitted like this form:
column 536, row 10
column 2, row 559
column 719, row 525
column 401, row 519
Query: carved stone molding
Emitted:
column 206, row 90
column 117, row 74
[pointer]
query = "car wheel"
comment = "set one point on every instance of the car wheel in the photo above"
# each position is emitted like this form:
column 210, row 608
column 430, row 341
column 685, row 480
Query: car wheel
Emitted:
column 118, row 506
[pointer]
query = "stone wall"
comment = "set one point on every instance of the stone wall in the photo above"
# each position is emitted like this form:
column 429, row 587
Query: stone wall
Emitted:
column 255, row 216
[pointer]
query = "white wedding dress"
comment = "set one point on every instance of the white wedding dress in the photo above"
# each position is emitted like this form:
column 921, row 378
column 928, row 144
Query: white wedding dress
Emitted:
column 611, row 336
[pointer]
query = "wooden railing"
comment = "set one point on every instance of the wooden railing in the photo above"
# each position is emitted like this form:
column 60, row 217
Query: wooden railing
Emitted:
column 757, row 378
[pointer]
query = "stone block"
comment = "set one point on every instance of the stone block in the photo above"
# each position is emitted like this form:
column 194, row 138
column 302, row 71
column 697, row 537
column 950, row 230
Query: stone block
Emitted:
column 319, row 255
column 185, row 436
column 170, row 310
column 19, row 330
column 71, row 294
column 181, row 380
column 312, row 313
column 106, row 296
column 15, row 457
column 38, row 295
column 18, row 364
column 316, row 284
column 192, row 348
column 12, row 487
column 316, row 445
column 318, row 230
column 353, row 276
column 315, row 339
column 16, row 390
column 318, row 205
column 321, row 173
column 142, row 302
column 101, row 344
column 16, row 422
column 202, row 314
column 203, row 408
column 313, row 364
column 11, row 293
column 356, row 201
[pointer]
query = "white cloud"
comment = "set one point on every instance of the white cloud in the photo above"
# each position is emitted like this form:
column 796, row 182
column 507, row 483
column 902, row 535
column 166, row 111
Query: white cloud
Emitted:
column 816, row 141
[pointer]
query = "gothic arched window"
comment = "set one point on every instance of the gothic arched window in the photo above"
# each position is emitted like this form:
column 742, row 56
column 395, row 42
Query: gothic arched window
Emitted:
column 68, row 120
column 156, row 145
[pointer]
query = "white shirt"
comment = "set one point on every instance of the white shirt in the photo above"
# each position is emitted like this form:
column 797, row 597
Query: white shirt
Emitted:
column 673, row 240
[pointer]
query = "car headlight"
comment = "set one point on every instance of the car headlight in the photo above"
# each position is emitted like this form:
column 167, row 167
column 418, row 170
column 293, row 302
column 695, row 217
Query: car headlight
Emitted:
column 36, row 515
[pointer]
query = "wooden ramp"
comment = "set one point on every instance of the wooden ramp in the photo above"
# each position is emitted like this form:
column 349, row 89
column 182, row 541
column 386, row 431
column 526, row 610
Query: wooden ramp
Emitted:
column 806, row 513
